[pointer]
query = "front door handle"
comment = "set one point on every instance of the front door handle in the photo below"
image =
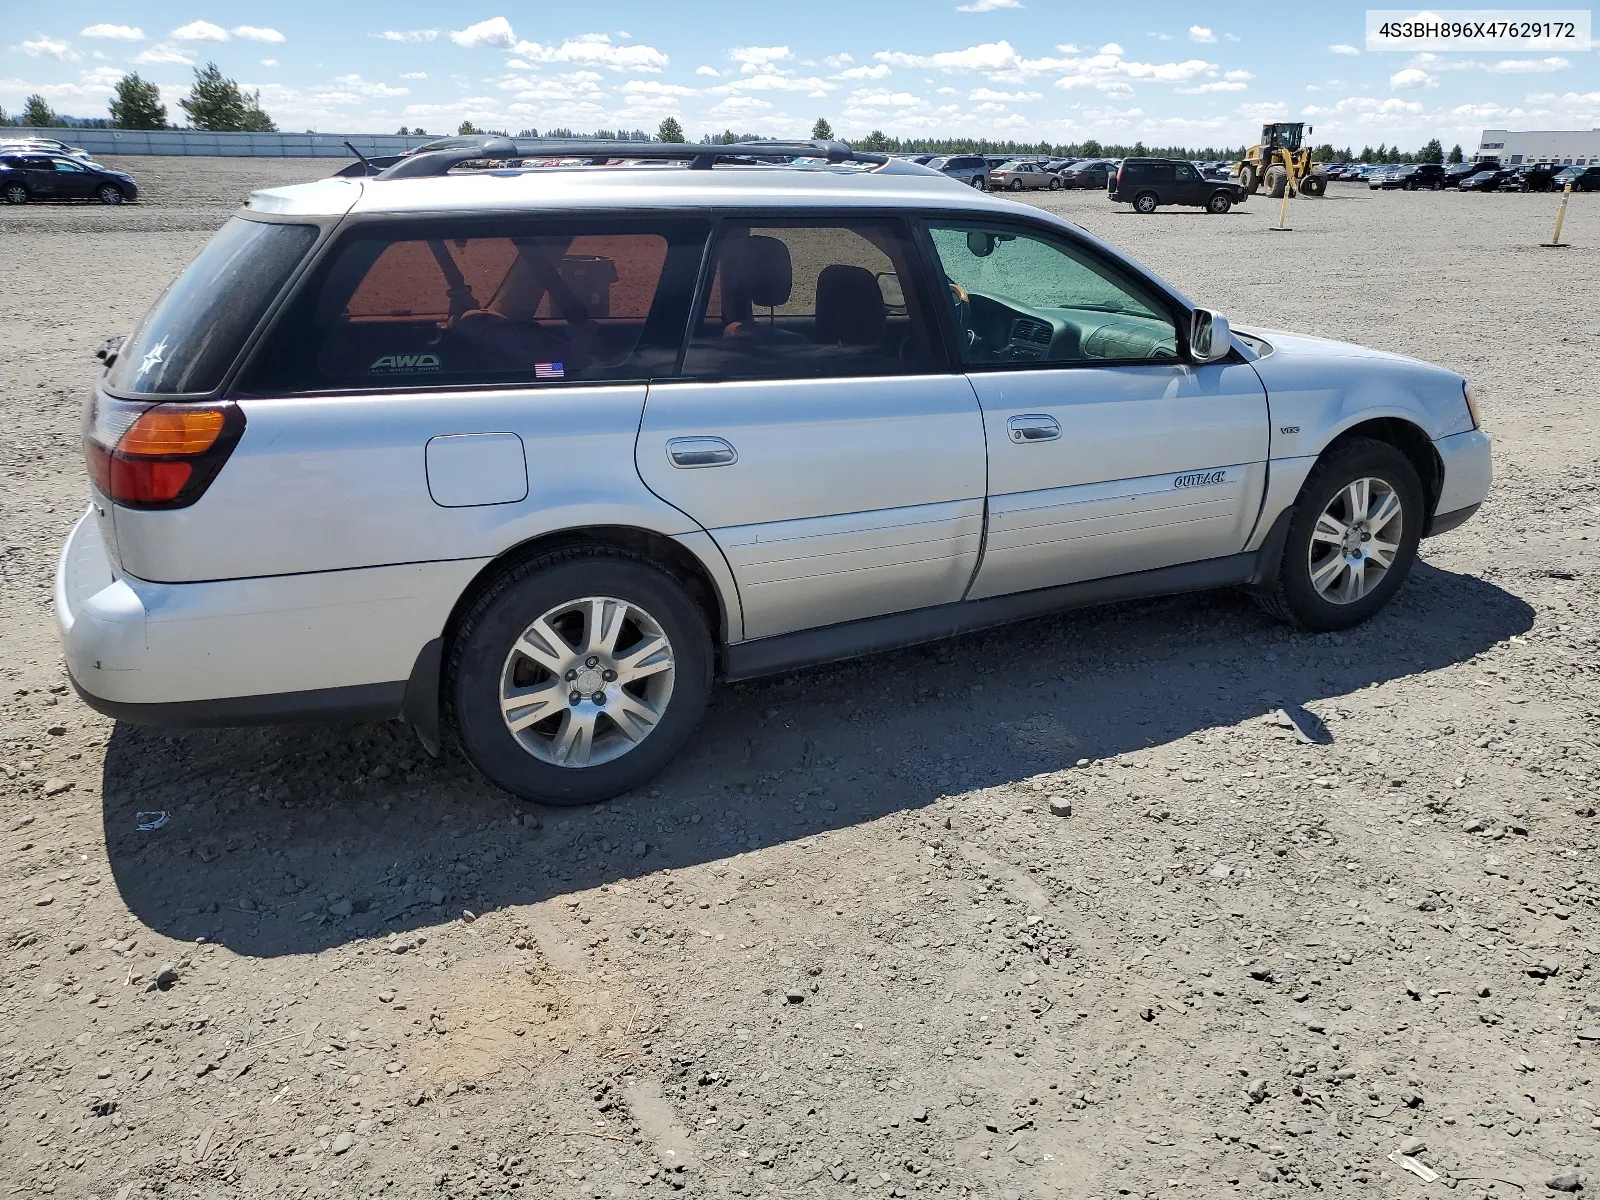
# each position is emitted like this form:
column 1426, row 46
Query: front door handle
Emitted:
column 1035, row 427
column 690, row 452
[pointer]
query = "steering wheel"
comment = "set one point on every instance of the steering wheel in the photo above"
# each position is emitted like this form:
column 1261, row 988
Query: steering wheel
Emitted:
column 963, row 314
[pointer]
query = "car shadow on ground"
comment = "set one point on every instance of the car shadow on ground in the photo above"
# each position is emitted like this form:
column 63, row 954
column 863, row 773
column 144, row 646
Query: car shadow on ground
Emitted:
column 292, row 840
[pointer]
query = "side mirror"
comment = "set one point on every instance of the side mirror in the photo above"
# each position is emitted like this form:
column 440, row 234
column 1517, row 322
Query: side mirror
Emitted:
column 1209, row 336
column 980, row 245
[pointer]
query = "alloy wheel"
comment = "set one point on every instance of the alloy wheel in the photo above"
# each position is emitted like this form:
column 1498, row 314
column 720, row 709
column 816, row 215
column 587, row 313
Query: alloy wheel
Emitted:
column 587, row 682
column 1356, row 540
column 16, row 194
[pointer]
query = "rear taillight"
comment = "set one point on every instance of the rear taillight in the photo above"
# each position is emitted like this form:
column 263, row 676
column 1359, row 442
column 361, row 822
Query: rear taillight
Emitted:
column 158, row 456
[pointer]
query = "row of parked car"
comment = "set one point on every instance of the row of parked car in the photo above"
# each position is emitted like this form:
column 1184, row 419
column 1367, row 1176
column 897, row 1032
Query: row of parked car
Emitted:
column 45, row 169
column 1485, row 176
column 998, row 172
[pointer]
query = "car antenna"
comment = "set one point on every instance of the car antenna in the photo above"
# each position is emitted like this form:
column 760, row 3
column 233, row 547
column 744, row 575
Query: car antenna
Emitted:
column 365, row 161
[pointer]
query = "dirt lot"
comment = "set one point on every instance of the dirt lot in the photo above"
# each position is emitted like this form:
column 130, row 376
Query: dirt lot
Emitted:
column 843, row 947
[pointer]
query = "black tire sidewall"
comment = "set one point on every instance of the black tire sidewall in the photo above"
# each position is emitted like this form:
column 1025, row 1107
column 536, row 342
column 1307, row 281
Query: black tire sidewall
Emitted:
column 1219, row 204
column 109, row 188
column 503, row 613
column 1367, row 459
column 1145, row 202
column 17, row 190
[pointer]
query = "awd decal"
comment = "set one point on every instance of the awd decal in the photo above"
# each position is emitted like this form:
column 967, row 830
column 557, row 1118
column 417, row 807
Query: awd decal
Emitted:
column 1200, row 479
column 405, row 362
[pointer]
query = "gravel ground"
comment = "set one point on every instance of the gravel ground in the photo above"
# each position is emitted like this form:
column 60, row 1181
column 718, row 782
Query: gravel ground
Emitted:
column 844, row 946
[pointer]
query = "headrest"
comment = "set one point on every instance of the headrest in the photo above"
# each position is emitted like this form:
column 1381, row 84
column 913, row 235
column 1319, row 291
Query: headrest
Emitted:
column 850, row 307
column 756, row 269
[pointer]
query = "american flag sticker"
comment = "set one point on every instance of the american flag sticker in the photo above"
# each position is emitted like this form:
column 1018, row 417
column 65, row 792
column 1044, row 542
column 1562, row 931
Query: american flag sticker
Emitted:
column 548, row 371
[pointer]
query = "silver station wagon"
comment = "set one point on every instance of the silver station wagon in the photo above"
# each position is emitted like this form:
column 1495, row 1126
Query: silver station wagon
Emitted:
column 529, row 457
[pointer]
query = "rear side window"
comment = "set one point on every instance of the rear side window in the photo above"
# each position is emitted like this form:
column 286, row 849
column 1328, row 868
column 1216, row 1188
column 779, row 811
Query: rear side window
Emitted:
column 192, row 335
column 812, row 300
column 407, row 307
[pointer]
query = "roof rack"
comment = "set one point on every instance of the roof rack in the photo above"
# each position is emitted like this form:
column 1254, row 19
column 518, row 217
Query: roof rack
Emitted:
column 434, row 160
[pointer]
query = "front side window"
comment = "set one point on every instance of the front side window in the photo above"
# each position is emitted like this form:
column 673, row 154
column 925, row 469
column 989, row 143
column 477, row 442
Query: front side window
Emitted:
column 1186, row 173
column 197, row 328
column 413, row 307
column 810, row 300
column 1029, row 298
column 66, row 164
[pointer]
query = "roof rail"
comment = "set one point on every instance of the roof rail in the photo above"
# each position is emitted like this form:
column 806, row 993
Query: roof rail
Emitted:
column 435, row 160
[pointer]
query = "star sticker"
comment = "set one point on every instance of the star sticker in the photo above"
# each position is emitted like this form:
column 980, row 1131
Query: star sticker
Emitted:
column 154, row 357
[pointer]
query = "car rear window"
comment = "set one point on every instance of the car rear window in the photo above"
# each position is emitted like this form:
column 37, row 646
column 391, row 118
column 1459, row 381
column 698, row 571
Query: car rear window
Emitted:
column 192, row 335
column 534, row 304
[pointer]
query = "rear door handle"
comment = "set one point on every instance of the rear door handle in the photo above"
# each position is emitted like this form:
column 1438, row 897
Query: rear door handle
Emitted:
column 1035, row 427
column 691, row 452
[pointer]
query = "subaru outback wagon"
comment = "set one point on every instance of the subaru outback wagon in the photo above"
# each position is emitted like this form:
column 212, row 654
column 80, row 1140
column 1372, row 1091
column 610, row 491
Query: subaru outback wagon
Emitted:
column 530, row 457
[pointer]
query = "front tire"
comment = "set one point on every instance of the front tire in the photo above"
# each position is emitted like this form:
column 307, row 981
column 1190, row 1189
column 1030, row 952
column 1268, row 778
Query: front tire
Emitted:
column 1277, row 182
column 110, row 194
column 1219, row 203
column 16, row 194
column 1055, row 185
column 1352, row 539
column 1247, row 177
column 597, row 623
column 1145, row 202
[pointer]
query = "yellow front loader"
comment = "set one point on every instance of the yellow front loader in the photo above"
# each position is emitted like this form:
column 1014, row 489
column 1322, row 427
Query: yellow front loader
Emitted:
column 1281, row 163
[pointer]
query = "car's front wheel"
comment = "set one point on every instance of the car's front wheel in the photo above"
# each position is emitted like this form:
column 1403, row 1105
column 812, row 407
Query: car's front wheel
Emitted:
column 16, row 194
column 1145, row 202
column 1219, row 203
column 1055, row 185
column 578, row 675
column 110, row 193
column 1352, row 539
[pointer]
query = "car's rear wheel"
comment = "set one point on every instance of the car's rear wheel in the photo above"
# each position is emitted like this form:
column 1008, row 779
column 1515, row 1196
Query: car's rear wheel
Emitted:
column 1014, row 186
column 1219, row 203
column 578, row 675
column 16, row 194
column 110, row 193
column 1145, row 202
column 1352, row 539
column 1437, row 185
column 978, row 182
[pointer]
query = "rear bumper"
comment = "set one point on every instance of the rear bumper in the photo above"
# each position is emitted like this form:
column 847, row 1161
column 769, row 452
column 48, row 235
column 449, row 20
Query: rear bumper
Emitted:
column 294, row 647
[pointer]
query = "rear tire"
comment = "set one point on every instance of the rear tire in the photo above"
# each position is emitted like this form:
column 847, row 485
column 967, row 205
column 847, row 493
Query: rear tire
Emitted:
column 488, row 671
column 16, row 194
column 110, row 193
column 1311, row 556
column 979, row 183
column 1277, row 182
column 1145, row 202
column 1014, row 186
column 1219, row 203
column 1247, row 177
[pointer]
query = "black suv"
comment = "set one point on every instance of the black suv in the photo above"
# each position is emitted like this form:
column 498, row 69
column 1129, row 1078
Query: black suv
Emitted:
column 1147, row 183
column 1582, row 179
column 1417, row 175
column 1456, row 172
column 25, row 177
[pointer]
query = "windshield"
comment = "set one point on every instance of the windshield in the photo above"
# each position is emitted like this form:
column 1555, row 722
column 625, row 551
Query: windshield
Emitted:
column 195, row 331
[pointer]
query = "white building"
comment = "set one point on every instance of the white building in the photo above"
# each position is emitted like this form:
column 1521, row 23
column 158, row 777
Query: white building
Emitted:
column 1566, row 146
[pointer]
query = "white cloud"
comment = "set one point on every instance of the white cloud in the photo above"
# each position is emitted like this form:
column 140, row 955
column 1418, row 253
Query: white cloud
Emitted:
column 982, row 6
column 414, row 75
column 654, row 87
column 990, row 94
column 269, row 62
column 1412, row 77
column 1232, row 37
column 1344, row 48
column 48, row 47
column 200, row 31
column 257, row 33
column 1206, row 89
column 771, row 81
column 1238, row 76
column 880, row 71
column 1199, row 33
column 750, row 57
column 885, row 100
column 1505, row 66
column 740, row 106
column 120, row 33
column 1528, row 66
column 839, row 60
column 1160, row 37
column 989, row 56
column 710, row 72
column 164, row 54
column 410, row 36
column 496, row 31
column 594, row 50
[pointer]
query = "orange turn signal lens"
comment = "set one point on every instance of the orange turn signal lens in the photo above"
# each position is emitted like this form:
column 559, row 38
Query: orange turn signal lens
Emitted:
column 172, row 430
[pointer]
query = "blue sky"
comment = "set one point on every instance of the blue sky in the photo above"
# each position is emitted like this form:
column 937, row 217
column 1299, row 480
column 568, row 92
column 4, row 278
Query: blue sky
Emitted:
column 1028, row 69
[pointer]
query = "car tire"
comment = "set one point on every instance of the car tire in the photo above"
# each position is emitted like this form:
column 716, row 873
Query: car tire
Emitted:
column 1014, row 186
column 110, row 193
column 979, row 183
column 1219, row 203
column 16, row 194
column 562, row 599
column 1145, row 202
column 1437, row 185
column 1055, row 185
column 1318, row 586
